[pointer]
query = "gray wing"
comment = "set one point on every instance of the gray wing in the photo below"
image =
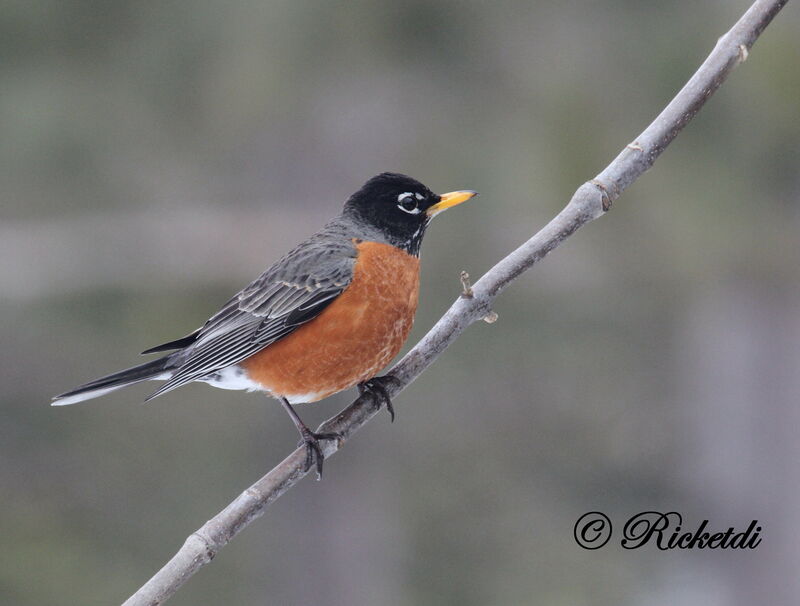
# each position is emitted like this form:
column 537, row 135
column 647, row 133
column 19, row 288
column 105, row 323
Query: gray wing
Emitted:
column 293, row 291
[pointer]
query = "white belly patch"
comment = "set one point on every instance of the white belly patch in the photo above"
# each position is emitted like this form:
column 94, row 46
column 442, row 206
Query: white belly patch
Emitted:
column 233, row 377
column 301, row 398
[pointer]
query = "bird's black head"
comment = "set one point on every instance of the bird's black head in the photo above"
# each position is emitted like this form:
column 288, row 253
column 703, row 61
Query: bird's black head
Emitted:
column 400, row 207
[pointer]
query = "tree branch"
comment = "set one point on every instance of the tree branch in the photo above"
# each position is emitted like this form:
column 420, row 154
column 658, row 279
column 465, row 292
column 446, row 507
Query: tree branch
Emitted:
column 590, row 201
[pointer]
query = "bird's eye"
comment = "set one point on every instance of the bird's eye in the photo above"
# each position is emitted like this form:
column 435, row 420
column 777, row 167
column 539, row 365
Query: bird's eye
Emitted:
column 408, row 202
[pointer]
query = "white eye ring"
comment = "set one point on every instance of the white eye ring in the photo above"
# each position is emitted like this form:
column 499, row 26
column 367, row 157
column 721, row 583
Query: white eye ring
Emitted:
column 406, row 197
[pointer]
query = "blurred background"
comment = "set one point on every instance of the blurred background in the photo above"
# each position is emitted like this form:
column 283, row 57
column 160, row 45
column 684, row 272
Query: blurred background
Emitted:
column 157, row 156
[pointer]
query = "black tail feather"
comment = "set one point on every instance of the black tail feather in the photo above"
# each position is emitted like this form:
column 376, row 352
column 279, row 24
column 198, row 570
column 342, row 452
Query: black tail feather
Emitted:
column 103, row 385
column 176, row 344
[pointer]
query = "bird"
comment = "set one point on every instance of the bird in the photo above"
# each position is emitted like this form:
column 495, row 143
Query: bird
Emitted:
column 327, row 316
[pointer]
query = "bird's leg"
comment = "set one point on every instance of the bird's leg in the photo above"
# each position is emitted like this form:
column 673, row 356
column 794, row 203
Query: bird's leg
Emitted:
column 309, row 438
column 377, row 386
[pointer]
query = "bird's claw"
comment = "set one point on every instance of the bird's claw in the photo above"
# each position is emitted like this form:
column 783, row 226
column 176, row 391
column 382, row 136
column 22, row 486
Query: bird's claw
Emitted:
column 313, row 451
column 377, row 386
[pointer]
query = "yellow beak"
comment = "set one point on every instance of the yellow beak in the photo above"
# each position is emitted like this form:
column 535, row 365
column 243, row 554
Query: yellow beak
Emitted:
column 453, row 198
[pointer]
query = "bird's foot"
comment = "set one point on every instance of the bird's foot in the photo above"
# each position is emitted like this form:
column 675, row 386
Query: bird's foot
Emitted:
column 313, row 450
column 377, row 386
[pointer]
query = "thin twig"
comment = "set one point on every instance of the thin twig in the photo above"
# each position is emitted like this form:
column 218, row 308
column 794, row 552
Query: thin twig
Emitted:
column 466, row 287
column 589, row 202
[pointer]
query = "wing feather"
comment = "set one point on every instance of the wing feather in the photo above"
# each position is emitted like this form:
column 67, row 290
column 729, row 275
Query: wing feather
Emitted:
column 292, row 292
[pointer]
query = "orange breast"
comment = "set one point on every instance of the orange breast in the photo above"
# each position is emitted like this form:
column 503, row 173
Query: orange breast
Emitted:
column 353, row 338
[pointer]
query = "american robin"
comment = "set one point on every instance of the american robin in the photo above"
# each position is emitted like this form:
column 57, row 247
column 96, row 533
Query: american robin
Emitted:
column 329, row 315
